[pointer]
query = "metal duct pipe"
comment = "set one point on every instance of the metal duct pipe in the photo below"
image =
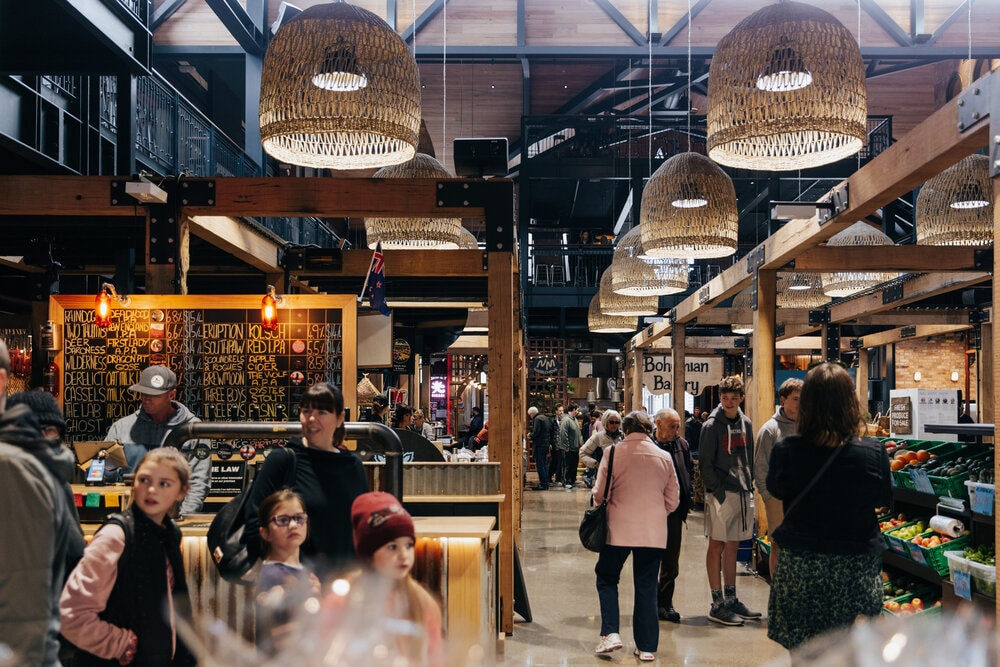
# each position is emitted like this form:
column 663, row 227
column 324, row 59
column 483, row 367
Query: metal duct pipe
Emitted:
column 393, row 481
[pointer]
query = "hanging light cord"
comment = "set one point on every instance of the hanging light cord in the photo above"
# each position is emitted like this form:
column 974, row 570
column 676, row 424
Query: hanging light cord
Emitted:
column 690, row 108
column 968, row 14
column 444, row 81
column 649, row 107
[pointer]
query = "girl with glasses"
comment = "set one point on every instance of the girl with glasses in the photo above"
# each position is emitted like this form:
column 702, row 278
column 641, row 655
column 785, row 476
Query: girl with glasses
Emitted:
column 283, row 581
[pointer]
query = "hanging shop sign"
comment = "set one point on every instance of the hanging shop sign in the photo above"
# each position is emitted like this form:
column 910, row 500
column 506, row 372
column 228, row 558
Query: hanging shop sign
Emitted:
column 402, row 356
column 545, row 366
column 699, row 372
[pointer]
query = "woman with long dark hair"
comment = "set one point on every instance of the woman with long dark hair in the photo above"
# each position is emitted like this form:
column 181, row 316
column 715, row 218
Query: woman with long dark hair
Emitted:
column 830, row 481
column 328, row 477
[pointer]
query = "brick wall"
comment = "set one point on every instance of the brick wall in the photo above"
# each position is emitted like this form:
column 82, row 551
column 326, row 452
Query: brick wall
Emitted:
column 936, row 358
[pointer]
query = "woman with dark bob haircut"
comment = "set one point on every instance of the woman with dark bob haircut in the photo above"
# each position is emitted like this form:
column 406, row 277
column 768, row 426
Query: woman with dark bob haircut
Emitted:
column 830, row 563
column 327, row 476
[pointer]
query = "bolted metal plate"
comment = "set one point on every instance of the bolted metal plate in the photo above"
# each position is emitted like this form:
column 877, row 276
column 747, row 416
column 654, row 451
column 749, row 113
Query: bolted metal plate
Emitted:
column 195, row 193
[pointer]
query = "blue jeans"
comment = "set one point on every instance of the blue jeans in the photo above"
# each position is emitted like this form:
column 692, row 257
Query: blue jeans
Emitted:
column 541, row 454
column 645, row 566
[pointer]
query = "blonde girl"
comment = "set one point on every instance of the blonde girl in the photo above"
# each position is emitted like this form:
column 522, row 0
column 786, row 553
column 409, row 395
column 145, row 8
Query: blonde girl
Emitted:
column 119, row 604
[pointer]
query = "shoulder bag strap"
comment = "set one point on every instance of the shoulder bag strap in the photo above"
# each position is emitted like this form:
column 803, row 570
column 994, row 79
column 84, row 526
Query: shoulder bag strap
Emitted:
column 611, row 467
column 290, row 474
column 812, row 482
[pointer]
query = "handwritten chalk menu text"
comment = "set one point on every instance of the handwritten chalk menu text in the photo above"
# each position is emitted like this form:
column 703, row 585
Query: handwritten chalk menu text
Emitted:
column 228, row 367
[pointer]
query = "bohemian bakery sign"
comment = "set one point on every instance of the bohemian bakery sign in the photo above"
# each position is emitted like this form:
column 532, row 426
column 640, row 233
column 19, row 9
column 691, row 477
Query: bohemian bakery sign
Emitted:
column 699, row 372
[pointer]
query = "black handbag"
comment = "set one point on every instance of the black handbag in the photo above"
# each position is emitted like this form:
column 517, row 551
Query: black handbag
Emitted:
column 225, row 534
column 594, row 526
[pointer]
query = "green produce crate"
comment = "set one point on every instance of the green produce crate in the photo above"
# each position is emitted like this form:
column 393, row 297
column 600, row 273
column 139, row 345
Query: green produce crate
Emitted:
column 935, row 557
column 954, row 486
column 898, row 544
column 885, row 533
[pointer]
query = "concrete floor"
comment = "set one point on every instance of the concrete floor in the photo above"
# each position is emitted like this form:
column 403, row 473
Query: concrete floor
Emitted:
column 559, row 575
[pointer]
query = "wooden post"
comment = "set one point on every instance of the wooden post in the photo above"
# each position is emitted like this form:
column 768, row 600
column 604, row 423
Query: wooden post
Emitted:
column 634, row 394
column 861, row 378
column 503, row 445
column 761, row 398
column 679, row 332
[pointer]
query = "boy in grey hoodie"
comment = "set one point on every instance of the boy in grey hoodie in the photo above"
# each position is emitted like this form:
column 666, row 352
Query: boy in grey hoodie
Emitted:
column 726, row 455
column 781, row 424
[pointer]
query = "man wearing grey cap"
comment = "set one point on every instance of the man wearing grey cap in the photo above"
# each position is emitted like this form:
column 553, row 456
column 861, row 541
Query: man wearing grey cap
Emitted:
column 149, row 426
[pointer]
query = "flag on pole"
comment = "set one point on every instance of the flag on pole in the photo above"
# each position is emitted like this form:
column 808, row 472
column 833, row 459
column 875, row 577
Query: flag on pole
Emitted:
column 376, row 282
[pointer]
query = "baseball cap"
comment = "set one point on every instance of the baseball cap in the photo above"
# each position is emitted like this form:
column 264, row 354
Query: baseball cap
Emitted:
column 155, row 380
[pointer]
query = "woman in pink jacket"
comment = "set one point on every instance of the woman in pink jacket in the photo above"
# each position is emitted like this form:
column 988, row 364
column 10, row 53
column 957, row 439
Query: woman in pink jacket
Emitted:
column 642, row 492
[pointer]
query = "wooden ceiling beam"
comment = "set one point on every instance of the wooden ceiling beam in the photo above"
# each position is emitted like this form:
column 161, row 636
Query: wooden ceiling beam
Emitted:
column 921, row 287
column 896, row 335
column 893, row 258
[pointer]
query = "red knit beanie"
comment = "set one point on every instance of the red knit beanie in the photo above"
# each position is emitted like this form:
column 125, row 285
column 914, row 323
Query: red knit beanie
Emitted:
column 378, row 518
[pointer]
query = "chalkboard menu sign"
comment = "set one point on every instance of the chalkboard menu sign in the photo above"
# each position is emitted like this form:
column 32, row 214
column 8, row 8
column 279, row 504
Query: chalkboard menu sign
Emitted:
column 228, row 367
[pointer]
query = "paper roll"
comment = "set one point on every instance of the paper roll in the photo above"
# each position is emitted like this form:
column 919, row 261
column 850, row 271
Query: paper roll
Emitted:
column 947, row 526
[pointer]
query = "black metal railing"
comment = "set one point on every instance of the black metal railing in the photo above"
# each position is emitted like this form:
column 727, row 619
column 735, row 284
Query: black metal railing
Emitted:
column 568, row 265
column 392, row 482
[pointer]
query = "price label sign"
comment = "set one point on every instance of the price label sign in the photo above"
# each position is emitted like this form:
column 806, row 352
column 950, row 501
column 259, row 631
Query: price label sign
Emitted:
column 983, row 504
column 963, row 585
column 921, row 481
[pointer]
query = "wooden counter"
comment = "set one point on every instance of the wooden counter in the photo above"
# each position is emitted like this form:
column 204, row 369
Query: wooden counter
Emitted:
column 456, row 559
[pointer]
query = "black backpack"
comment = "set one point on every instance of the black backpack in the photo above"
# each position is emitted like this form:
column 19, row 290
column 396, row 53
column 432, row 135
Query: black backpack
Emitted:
column 225, row 535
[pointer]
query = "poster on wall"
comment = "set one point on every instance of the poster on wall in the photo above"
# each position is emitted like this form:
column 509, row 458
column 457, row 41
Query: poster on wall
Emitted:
column 402, row 351
column 699, row 372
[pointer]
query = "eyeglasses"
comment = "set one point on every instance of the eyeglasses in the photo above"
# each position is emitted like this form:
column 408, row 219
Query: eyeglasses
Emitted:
column 613, row 421
column 283, row 520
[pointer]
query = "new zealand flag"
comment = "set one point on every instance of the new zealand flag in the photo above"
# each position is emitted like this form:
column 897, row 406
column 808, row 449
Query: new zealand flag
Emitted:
column 376, row 282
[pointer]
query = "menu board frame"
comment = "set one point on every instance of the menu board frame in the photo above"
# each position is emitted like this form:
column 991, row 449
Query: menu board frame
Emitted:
column 291, row 306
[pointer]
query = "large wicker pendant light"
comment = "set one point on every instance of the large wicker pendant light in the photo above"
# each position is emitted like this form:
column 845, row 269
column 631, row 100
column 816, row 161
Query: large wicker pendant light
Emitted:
column 846, row 283
column 786, row 90
column 689, row 210
column 619, row 304
column 955, row 207
column 339, row 89
column 598, row 322
column 633, row 276
column 800, row 290
column 741, row 312
column 467, row 240
column 425, row 233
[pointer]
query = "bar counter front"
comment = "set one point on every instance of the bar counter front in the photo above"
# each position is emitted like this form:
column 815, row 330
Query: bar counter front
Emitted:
column 455, row 560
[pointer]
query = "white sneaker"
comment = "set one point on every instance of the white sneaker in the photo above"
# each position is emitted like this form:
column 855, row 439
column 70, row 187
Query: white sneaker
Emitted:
column 610, row 642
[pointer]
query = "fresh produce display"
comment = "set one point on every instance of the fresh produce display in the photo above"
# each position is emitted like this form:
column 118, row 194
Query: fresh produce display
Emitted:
column 908, row 532
column 914, row 606
column 892, row 522
column 984, row 554
column 931, row 540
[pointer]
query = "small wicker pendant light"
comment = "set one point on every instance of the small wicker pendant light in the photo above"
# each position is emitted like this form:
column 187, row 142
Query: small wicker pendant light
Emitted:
column 412, row 233
column 598, row 322
column 741, row 312
column 619, row 304
column 633, row 276
column 800, row 290
column 846, row 283
column 955, row 207
column 339, row 89
column 689, row 210
column 467, row 240
column 786, row 90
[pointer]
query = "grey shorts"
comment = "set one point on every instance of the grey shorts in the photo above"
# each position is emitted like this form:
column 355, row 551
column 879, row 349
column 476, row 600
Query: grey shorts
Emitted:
column 730, row 521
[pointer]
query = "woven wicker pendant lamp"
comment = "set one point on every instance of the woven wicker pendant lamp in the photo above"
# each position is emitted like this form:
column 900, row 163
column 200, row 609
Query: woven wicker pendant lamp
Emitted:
column 786, row 90
column 467, row 240
column 800, row 290
column 620, row 304
column 741, row 312
column 403, row 233
column 846, row 283
column 633, row 276
column 955, row 207
column 598, row 322
column 339, row 89
column 688, row 210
